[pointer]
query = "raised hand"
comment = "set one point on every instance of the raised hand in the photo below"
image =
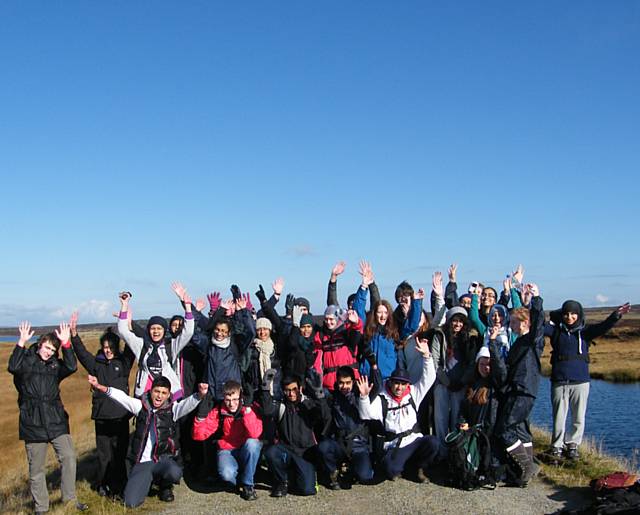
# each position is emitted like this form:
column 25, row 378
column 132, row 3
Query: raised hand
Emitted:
column 518, row 274
column 337, row 269
column 277, row 285
column 240, row 303
column 624, row 309
column 296, row 315
column 203, row 388
column 178, row 289
column 526, row 294
column 506, row 284
column 25, row 333
column 494, row 331
column 248, row 301
column 418, row 295
column 93, row 380
column 352, row 316
column 63, row 332
column 261, row 295
column 200, row 304
column 73, row 323
column 453, row 269
column 228, row 306
column 436, row 284
column 289, row 303
column 364, row 386
column 422, row 346
column 124, row 297
column 534, row 290
column 367, row 273
column 214, row 300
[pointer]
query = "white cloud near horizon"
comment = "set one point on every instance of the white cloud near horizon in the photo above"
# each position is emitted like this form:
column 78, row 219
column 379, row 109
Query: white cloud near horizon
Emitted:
column 602, row 298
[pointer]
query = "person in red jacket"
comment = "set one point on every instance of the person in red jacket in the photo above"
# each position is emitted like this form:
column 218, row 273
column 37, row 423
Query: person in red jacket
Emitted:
column 238, row 428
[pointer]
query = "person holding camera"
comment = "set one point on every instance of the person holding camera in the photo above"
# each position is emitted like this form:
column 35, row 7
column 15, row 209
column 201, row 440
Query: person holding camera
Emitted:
column 37, row 373
column 237, row 428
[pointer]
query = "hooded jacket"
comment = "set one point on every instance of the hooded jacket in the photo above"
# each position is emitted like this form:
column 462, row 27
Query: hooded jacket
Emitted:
column 42, row 415
column 570, row 346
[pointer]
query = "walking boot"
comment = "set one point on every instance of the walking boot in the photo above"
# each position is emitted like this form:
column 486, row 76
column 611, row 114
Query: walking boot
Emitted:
column 529, row 469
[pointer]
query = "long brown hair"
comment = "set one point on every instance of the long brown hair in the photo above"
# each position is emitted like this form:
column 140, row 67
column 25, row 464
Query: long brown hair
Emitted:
column 479, row 396
column 371, row 327
column 424, row 327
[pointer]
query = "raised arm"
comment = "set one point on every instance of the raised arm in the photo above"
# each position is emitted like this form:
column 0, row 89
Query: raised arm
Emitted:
column 16, row 361
column 186, row 406
column 181, row 341
column 129, row 403
column 332, row 288
column 595, row 330
column 134, row 342
column 368, row 409
column 451, row 291
column 474, row 315
column 428, row 376
column 69, row 363
column 87, row 359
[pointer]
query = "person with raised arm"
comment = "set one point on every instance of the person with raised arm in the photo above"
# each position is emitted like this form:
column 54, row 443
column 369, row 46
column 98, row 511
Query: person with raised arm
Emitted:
column 407, row 312
column 570, row 339
column 155, row 447
column 156, row 356
column 521, row 385
column 37, row 373
column 238, row 428
column 112, row 367
column 396, row 407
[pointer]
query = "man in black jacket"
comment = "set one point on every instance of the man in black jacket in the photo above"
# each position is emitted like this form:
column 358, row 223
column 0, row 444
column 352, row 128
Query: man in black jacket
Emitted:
column 295, row 417
column 37, row 373
column 112, row 368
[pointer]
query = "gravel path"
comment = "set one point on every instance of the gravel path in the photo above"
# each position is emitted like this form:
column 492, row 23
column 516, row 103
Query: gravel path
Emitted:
column 399, row 497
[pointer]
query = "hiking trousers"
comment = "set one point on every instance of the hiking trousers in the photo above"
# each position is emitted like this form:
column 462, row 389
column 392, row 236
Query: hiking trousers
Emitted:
column 565, row 397
column 423, row 451
column 165, row 472
column 281, row 459
column 37, row 457
column 112, row 441
column 333, row 454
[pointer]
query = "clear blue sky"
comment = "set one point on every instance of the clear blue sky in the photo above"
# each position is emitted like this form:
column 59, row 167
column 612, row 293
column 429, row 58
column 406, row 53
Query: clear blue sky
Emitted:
column 219, row 142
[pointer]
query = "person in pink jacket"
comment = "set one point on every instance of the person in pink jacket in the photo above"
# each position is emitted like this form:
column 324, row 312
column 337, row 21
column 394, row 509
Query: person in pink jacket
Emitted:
column 238, row 429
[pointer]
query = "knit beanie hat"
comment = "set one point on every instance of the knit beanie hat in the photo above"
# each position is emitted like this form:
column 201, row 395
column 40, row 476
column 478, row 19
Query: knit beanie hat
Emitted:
column 483, row 353
column 157, row 320
column 306, row 319
column 301, row 301
column 457, row 310
column 332, row 311
column 263, row 323
column 571, row 306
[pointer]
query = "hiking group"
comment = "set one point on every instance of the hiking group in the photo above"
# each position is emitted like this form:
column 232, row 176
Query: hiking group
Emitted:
column 360, row 396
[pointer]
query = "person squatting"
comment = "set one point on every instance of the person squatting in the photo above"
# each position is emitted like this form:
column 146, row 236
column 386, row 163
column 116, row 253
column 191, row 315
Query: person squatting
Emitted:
column 359, row 396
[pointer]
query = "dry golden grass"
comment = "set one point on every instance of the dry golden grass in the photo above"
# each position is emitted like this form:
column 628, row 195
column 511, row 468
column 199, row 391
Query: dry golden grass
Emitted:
column 14, row 493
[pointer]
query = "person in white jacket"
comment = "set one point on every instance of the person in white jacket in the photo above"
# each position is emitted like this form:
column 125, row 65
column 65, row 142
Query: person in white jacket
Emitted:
column 156, row 355
column 396, row 408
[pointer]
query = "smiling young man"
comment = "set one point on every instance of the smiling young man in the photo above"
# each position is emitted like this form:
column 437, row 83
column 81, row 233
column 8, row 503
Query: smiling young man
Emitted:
column 37, row 375
column 238, row 429
column 155, row 447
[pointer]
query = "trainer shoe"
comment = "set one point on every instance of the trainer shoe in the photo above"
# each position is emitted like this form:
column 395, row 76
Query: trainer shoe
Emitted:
column 248, row 493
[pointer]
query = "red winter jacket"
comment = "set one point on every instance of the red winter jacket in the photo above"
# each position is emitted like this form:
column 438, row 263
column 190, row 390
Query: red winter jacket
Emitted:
column 236, row 428
column 338, row 348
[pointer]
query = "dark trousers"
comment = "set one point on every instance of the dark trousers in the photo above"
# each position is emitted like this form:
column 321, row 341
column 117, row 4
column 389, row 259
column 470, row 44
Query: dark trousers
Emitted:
column 423, row 451
column 513, row 424
column 112, row 440
column 165, row 472
column 333, row 454
column 281, row 459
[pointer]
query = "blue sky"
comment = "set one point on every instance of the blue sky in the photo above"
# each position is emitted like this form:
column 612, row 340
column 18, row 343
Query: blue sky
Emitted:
column 213, row 142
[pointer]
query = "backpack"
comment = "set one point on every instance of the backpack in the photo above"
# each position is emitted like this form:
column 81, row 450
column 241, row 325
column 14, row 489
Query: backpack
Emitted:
column 616, row 493
column 470, row 458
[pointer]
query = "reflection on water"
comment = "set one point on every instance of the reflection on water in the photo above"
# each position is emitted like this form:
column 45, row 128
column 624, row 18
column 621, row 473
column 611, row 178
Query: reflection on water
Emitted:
column 612, row 415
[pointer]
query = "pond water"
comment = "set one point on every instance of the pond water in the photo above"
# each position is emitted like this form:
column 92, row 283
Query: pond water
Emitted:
column 612, row 415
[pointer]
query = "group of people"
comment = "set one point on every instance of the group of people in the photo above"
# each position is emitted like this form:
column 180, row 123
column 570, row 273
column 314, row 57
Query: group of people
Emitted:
column 360, row 395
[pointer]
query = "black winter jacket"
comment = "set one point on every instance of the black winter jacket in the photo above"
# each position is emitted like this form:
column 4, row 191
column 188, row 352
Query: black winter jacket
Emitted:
column 161, row 421
column 114, row 372
column 42, row 415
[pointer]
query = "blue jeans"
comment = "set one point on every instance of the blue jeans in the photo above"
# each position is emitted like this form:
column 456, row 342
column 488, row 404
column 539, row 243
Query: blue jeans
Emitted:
column 280, row 459
column 244, row 459
column 332, row 454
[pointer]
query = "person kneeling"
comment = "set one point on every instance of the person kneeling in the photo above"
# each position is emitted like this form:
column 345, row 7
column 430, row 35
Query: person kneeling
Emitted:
column 238, row 428
column 295, row 417
column 154, row 447
column 396, row 408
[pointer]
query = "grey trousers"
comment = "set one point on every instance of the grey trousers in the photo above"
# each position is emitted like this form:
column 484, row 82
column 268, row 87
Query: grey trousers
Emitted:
column 565, row 397
column 37, row 456
column 165, row 472
column 447, row 408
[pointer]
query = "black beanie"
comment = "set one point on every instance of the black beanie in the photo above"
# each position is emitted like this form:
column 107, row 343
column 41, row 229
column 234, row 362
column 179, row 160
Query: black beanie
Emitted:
column 158, row 321
column 301, row 301
column 571, row 306
column 306, row 319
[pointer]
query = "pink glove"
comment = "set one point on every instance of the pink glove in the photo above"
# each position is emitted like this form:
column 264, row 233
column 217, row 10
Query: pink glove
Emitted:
column 214, row 300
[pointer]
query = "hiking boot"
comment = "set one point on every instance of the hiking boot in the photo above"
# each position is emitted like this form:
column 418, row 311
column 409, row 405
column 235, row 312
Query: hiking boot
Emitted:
column 280, row 490
column 103, row 491
column 333, row 481
column 555, row 452
column 527, row 466
column 248, row 493
column 82, row 506
column 422, row 476
column 166, row 494
column 572, row 452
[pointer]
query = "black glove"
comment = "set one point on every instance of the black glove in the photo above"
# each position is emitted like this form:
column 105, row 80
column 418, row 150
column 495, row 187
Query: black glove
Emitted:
column 314, row 382
column 205, row 406
column 260, row 295
column 235, row 292
column 288, row 304
column 267, row 379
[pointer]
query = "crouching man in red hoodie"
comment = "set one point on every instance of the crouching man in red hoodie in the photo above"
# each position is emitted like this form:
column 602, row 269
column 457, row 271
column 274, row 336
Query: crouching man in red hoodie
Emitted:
column 238, row 428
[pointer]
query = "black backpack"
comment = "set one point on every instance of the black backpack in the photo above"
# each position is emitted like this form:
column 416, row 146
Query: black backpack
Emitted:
column 469, row 460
